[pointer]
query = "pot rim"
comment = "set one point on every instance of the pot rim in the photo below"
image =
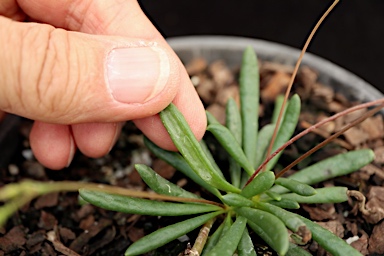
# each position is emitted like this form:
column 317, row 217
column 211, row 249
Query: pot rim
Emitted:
column 339, row 78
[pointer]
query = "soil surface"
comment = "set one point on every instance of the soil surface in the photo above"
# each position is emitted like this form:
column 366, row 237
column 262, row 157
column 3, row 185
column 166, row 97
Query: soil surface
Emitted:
column 56, row 224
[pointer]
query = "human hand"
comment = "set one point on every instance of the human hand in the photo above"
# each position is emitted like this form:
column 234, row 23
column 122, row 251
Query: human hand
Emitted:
column 82, row 68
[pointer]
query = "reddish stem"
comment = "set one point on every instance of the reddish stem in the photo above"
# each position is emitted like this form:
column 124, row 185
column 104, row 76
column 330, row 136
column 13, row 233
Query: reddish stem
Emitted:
column 290, row 84
column 315, row 126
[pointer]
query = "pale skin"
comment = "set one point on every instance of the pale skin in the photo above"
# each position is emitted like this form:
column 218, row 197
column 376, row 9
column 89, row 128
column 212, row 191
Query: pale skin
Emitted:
column 52, row 72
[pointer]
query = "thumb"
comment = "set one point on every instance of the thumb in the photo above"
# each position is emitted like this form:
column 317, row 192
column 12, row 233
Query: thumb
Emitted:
column 57, row 76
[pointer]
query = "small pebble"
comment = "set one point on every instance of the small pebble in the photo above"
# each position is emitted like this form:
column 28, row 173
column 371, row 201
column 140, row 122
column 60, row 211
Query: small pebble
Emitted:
column 13, row 169
column 352, row 239
column 183, row 238
column 27, row 154
column 195, row 80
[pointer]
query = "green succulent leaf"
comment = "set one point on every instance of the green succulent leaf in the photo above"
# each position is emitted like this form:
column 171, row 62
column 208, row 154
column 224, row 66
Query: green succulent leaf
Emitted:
column 228, row 243
column 263, row 140
column 275, row 196
column 161, row 185
column 262, row 182
column 323, row 195
column 232, row 199
column 235, row 172
column 167, row 234
column 141, row 206
column 233, row 123
column 227, row 224
column 233, row 120
column 296, row 186
column 249, row 99
column 270, row 228
column 189, row 147
column 276, row 110
column 230, row 144
column 213, row 239
column 339, row 165
column 206, row 151
column 211, row 119
column 290, row 220
column 329, row 241
column 266, row 133
column 246, row 247
column 287, row 127
column 286, row 203
column 177, row 161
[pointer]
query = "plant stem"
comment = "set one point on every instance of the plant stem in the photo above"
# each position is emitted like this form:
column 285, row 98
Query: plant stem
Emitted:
column 315, row 126
column 201, row 238
column 19, row 194
column 309, row 39
column 332, row 137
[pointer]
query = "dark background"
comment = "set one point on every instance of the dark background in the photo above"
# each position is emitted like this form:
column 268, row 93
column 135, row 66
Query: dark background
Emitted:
column 352, row 36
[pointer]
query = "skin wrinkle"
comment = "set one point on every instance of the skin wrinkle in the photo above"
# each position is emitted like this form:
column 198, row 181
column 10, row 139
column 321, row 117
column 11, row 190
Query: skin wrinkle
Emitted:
column 7, row 105
column 61, row 48
column 70, row 95
column 46, row 85
column 108, row 25
column 75, row 78
column 29, row 36
column 41, row 63
column 46, row 76
column 76, row 21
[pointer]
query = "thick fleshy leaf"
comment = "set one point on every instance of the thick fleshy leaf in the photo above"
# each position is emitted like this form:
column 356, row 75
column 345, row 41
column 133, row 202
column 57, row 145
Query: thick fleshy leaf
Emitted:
column 206, row 151
column 263, row 140
column 228, row 243
column 219, row 233
column 287, row 127
column 296, row 186
column 276, row 110
column 285, row 203
column 262, row 182
column 339, row 165
column 159, row 184
column 233, row 120
column 233, row 123
column 273, row 195
column 322, row 196
column 235, row 172
column 189, row 147
column 270, row 228
column 233, row 199
column 141, row 206
column 329, row 241
column 167, row 234
column 249, row 99
column 230, row 144
column 210, row 118
column 177, row 161
column 290, row 220
column 246, row 247
column 266, row 133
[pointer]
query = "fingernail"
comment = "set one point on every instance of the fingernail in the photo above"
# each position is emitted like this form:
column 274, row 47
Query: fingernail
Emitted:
column 137, row 74
column 72, row 151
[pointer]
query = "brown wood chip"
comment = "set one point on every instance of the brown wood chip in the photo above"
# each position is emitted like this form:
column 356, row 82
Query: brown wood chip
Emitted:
column 376, row 241
column 14, row 239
